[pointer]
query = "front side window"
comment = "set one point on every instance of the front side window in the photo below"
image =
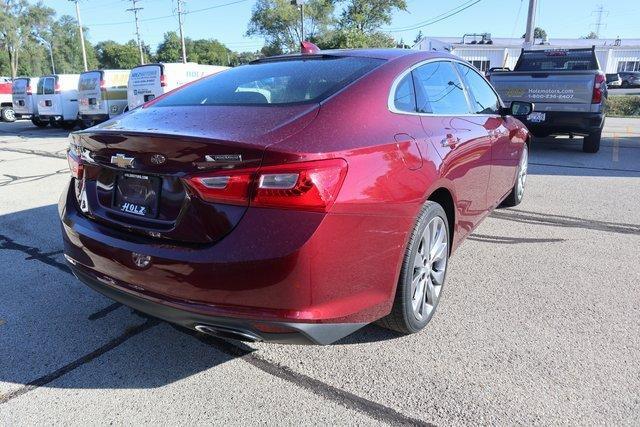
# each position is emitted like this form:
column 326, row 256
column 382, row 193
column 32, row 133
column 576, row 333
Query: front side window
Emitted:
column 484, row 99
column 404, row 98
column 282, row 82
column 439, row 89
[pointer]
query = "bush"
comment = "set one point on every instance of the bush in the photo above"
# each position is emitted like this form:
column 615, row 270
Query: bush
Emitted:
column 623, row 105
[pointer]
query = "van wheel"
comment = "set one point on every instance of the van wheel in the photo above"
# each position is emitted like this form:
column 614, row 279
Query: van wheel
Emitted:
column 8, row 115
column 423, row 272
column 37, row 122
column 591, row 143
column 68, row 124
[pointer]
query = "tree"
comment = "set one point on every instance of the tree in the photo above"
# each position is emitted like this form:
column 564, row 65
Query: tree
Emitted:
column 538, row 33
column 115, row 55
column 67, row 52
column 19, row 20
column 590, row 35
column 201, row 51
column 278, row 21
column 368, row 16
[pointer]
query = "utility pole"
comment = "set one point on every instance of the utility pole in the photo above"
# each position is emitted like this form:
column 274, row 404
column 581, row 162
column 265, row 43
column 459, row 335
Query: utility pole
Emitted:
column 135, row 10
column 84, row 51
column 180, row 21
column 300, row 4
column 531, row 24
column 599, row 12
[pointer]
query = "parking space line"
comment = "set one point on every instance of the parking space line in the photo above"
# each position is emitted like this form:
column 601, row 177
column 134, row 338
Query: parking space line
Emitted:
column 105, row 311
column 584, row 167
column 344, row 398
column 33, row 253
column 540, row 218
column 46, row 379
column 35, row 152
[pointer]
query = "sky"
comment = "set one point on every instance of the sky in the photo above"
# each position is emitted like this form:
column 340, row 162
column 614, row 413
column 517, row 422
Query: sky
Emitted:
column 227, row 20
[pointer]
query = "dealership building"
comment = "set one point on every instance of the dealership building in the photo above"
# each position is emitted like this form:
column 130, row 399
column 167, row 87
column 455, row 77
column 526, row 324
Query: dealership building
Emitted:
column 485, row 52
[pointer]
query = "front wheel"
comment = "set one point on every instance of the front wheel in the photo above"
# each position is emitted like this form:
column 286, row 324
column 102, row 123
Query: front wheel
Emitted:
column 591, row 143
column 517, row 192
column 423, row 272
column 8, row 114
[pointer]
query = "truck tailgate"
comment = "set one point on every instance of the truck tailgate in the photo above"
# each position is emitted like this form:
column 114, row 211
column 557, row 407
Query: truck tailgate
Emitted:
column 550, row 91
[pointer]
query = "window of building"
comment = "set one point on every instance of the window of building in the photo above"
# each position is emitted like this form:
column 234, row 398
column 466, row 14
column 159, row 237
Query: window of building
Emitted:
column 481, row 64
column 628, row 66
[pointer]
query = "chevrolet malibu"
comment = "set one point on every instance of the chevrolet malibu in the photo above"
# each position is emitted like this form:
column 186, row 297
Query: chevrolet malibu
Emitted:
column 294, row 199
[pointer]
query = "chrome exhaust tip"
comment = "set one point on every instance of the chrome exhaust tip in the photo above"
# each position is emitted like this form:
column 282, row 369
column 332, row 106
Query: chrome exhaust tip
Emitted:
column 226, row 332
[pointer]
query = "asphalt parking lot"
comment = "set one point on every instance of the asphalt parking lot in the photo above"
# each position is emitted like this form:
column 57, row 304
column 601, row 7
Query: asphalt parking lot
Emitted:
column 539, row 322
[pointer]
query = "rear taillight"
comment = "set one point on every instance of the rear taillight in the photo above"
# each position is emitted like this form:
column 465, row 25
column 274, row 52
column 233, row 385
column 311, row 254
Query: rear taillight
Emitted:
column 103, row 85
column 598, row 84
column 56, row 88
column 75, row 165
column 29, row 91
column 163, row 80
column 311, row 186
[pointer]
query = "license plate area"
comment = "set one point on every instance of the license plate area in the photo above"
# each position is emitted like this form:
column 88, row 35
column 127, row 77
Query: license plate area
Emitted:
column 537, row 117
column 137, row 194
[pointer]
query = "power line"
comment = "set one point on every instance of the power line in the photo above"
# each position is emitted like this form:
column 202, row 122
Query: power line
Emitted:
column 599, row 12
column 438, row 18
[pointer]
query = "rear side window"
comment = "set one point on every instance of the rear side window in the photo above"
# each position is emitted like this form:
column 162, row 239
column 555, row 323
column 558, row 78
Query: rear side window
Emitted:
column 274, row 83
column 439, row 89
column 404, row 98
column 484, row 99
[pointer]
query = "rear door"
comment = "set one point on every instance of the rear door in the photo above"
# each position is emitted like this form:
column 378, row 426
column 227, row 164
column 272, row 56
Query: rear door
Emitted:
column 48, row 105
column 144, row 84
column 458, row 136
column 504, row 154
column 19, row 96
column 89, row 93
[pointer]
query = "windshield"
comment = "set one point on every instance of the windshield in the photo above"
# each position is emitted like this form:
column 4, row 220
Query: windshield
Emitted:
column 557, row 60
column 289, row 81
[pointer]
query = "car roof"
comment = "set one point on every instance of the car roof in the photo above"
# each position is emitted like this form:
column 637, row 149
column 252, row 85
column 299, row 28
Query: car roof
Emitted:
column 387, row 54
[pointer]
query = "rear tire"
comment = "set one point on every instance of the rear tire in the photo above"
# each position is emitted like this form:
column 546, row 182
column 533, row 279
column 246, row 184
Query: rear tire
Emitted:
column 517, row 192
column 423, row 272
column 37, row 122
column 591, row 143
column 7, row 114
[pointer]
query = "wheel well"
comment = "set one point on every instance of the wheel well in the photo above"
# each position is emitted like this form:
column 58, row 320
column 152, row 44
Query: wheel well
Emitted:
column 443, row 197
column 6, row 104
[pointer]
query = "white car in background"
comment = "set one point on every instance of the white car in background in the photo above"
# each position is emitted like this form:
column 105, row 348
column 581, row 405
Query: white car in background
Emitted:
column 102, row 94
column 147, row 82
column 57, row 98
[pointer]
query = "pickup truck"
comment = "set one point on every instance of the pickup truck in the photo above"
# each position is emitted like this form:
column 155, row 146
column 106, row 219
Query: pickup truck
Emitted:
column 567, row 87
column 6, row 105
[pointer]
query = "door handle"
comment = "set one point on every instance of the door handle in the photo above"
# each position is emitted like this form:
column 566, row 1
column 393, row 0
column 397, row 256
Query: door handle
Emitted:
column 450, row 141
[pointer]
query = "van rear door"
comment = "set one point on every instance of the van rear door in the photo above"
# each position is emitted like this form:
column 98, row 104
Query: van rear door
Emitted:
column 89, row 94
column 19, row 96
column 145, row 84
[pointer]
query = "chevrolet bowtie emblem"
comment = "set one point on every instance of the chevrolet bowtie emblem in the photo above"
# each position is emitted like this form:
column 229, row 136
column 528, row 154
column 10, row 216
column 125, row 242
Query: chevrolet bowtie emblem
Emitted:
column 122, row 161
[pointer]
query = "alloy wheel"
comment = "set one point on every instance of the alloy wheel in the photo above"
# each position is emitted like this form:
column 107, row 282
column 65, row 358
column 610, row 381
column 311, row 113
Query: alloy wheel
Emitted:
column 429, row 268
column 522, row 172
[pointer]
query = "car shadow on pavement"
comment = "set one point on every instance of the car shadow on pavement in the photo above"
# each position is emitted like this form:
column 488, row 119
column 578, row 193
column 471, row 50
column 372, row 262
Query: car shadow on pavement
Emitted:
column 618, row 157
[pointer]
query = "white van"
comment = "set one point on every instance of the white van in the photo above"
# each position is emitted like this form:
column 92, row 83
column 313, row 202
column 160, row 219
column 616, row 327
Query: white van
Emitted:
column 57, row 98
column 24, row 100
column 102, row 94
column 147, row 82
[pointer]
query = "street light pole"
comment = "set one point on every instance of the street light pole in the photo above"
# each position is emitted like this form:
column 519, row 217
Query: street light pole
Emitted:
column 84, row 51
column 531, row 24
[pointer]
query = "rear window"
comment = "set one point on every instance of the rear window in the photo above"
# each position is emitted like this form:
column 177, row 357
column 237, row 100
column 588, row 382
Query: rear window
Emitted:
column 20, row 86
column 282, row 82
column 557, row 60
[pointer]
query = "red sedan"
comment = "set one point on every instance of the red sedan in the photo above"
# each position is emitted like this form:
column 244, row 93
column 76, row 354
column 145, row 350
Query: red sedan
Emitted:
column 297, row 198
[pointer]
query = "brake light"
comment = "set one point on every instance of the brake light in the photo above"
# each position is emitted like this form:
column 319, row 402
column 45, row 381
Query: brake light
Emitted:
column 163, row 80
column 29, row 92
column 599, row 81
column 75, row 165
column 312, row 186
column 103, row 85
column 56, row 88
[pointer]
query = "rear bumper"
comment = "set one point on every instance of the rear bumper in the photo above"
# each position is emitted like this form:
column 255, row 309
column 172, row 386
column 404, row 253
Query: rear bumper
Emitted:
column 304, row 271
column 560, row 122
column 227, row 327
column 96, row 118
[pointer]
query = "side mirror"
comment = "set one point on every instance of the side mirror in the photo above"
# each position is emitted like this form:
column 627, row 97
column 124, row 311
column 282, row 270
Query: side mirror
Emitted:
column 521, row 108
